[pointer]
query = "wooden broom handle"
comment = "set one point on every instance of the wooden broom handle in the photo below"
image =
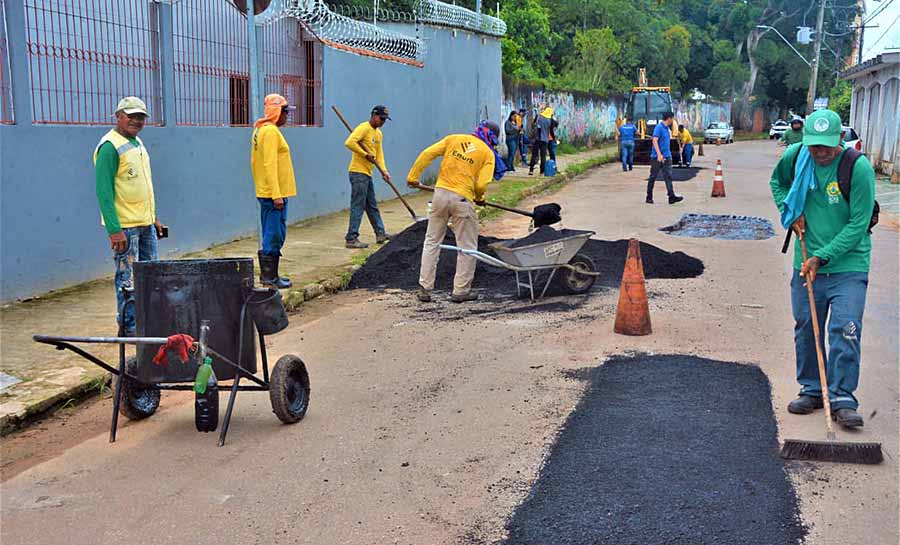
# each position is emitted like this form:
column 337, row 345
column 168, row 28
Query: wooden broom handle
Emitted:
column 823, row 377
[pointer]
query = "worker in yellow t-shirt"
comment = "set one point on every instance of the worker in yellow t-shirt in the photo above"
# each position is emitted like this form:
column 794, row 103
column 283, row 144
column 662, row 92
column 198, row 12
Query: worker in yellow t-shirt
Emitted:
column 686, row 144
column 469, row 163
column 273, row 176
column 366, row 144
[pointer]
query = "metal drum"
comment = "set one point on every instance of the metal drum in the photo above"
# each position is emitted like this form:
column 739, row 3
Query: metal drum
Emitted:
column 173, row 296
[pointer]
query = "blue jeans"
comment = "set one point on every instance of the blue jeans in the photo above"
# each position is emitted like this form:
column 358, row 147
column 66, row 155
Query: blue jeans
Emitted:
column 512, row 144
column 551, row 149
column 362, row 199
column 688, row 154
column 141, row 247
column 523, row 149
column 274, row 226
column 841, row 299
column 628, row 155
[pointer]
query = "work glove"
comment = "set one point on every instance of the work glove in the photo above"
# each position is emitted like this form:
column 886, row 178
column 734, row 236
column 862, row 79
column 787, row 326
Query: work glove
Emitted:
column 412, row 183
column 480, row 202
column 180, row 342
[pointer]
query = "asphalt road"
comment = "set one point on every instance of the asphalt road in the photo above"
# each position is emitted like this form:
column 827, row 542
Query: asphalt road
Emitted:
column 432, row 425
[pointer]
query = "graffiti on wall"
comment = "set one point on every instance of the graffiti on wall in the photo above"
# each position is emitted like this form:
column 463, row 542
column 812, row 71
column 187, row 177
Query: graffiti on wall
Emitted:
column 582, row 120
column 585, row 120
column 697, row 115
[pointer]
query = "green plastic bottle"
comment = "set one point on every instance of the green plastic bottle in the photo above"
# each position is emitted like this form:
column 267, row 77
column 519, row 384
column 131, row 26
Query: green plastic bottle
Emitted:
column 203, row 374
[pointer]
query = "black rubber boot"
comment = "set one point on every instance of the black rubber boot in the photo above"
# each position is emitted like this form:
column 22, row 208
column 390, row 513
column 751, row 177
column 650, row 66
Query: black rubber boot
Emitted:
column 805, row 405
column 268, row 272
column 280, row 281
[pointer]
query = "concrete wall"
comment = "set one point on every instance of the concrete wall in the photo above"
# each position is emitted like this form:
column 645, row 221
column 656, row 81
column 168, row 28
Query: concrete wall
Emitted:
column 50, row 233
column 875, row 110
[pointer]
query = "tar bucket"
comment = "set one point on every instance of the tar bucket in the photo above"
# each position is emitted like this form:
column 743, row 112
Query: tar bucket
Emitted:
column 173, row 296
column 267, row 310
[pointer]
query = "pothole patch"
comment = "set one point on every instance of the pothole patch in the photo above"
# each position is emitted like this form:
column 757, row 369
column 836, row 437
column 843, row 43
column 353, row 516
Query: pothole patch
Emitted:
column 726, row 227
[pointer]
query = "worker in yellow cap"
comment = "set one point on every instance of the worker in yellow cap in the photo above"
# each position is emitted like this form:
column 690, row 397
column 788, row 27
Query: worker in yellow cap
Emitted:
column 124, row 186
column 469, row 163
column 273, row 175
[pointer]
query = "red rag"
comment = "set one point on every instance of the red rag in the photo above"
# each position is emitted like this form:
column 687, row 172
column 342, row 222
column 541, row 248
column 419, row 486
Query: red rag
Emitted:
column 180, row 342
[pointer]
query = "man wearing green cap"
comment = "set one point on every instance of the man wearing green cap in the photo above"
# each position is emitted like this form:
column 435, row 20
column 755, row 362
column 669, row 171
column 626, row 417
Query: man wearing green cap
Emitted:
column 835, row 227
column 124, row 186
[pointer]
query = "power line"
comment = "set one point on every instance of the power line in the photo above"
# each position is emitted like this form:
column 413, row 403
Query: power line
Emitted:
column 878, row 11
column 888, row 29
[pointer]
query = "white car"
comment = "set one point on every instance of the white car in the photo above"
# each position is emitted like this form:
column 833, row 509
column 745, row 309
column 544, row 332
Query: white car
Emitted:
column 717, row 130
column 851, row 139
column 778, row 129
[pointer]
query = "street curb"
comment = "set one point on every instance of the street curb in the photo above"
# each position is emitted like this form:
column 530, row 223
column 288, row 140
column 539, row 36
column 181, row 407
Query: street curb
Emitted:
column 294, row 299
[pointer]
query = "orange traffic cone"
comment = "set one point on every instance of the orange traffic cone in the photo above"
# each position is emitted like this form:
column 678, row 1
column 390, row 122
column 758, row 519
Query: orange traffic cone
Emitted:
column 700, row 152
column 718, row 189
column 633, row 313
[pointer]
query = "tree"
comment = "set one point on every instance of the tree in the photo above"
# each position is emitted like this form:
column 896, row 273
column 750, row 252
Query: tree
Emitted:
column 526, row 46
column 676, row 53
column 592, row 68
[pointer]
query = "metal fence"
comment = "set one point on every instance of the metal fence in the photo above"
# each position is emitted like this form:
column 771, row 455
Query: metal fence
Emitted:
column 6, row 109
column 212, row 64
column 292, row 67
column 84, row 55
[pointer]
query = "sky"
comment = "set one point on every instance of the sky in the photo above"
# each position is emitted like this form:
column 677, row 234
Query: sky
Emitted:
column 887, row 35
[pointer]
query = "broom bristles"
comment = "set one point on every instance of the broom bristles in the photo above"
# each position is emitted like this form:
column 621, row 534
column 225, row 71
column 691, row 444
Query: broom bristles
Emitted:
column 832, row 451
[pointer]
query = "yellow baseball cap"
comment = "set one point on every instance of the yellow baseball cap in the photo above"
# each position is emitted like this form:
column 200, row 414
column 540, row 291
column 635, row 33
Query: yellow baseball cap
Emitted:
column 132, row 105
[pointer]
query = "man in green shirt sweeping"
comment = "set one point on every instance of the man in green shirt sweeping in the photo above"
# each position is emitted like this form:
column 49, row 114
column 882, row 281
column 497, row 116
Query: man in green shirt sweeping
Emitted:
column 811, row 196
column 124, row 187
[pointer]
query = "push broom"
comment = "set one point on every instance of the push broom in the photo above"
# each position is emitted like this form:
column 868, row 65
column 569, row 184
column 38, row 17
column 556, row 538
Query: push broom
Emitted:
column 830, row 450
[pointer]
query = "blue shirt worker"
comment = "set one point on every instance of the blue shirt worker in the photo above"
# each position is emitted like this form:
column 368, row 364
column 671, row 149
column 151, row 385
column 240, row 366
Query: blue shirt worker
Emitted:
column 661, row 158
column 626, row 141
column 124, row 186
column 826, row 194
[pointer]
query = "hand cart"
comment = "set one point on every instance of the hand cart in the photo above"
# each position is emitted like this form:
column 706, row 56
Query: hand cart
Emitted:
column 578, row 271
column 171, row 297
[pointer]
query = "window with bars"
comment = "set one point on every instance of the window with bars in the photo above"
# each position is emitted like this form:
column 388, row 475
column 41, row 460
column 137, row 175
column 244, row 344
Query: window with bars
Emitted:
column 212, row 67
column 292, row 67
column 85, row 55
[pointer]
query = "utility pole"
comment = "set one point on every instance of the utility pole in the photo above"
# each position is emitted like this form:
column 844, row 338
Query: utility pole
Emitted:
column 814, row 67
column 862, row 30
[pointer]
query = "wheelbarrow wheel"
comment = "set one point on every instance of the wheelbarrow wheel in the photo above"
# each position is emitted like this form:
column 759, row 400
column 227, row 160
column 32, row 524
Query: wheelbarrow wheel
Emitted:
column 572, row 281
column 289, row 389
column 139, row 400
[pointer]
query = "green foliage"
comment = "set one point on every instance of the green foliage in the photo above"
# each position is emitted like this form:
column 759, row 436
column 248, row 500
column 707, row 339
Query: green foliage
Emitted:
column 839, row 100
column 526, row 46
column 592, row 68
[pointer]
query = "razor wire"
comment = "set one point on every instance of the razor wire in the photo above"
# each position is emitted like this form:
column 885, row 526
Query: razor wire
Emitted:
column 366, row 13
column 340, row 27
column 441, row 13
column 346, row 33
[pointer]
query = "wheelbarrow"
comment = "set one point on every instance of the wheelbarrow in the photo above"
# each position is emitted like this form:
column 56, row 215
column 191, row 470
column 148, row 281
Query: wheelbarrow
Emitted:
column 574, row 272
column 211, row 300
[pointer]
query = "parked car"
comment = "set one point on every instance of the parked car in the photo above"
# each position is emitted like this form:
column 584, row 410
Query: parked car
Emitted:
column 778, row 128
column 717, row 130
column 851, row 139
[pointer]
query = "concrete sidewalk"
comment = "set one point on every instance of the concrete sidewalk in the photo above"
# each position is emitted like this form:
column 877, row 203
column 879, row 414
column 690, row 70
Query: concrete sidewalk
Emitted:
column 314, row 259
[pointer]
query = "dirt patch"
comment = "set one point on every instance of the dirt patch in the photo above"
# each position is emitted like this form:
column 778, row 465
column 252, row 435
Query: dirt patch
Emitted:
column 664, row 450
column 721, row 226
column 396, row 265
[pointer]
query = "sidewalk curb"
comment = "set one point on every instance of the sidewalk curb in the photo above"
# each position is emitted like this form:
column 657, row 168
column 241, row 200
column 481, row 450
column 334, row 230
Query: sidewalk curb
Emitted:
column 293, row 298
